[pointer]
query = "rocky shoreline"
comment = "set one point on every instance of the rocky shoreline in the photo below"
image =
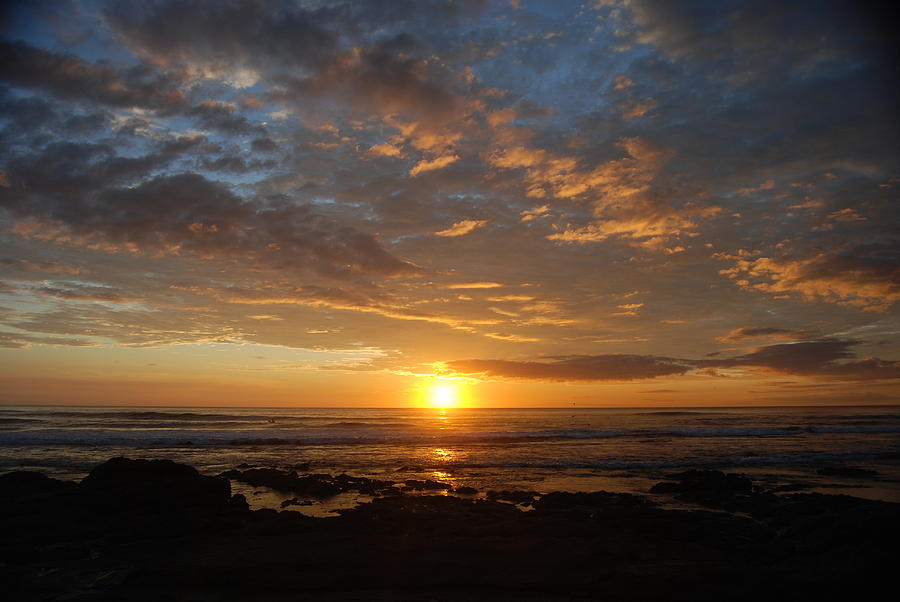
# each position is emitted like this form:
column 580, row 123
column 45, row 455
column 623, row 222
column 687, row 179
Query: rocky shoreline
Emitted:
column 157, row 530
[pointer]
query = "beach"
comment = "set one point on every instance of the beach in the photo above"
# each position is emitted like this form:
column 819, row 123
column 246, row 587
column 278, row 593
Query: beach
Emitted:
column 151, row 530
column 464, row 504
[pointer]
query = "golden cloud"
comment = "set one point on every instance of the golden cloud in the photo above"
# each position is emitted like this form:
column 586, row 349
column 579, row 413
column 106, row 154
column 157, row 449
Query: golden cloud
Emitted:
column 462, row 228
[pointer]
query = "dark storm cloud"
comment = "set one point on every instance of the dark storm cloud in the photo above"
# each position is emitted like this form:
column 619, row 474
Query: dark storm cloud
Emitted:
column 386, row 77
column 762, row 38
column 263, row 145
column 298, row 51
column 58, row 178
column 188, row 214
column 72, row 78
column 222, row 36
column 221, row 116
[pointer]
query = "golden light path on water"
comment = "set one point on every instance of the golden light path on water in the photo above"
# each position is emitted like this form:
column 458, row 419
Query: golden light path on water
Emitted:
column 440, row 454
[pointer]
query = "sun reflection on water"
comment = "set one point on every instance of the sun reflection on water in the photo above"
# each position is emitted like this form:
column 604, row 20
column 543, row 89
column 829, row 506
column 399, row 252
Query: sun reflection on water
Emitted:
column 444, row 477
column 442, row 455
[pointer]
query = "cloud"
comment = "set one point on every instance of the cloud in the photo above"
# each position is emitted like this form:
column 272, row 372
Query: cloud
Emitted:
column 296, row 50
column 48, row 267
column 746, row 43
column 213, row 114
column 820, row 358
column 612, row 367
column 432, row 164
column 462, row 228
column 739, row 334
column 73, row 78
column 862, row 275
column 333, row 298
column 533, row 214
column 80, row 292
column 11, row 340
column 824, row 358
column 385, row 150
column 474, row 285
column 301, row 149
column 621, row 192
column 222, row 39
column 187, row 214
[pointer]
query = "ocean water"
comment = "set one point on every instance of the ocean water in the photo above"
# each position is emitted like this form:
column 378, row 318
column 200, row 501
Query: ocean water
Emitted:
column 537, row 449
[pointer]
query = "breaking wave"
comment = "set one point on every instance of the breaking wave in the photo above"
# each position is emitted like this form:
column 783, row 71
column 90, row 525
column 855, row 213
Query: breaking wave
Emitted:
column 350, row 433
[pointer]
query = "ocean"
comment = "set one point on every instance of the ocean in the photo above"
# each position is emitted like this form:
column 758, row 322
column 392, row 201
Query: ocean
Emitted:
column 572, row 449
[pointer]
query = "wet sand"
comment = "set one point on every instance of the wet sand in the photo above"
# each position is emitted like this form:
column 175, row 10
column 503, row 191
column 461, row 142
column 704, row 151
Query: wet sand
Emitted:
column 142, row 530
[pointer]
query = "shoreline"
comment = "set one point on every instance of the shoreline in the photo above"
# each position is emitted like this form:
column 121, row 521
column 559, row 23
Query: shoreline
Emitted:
column 146, row 530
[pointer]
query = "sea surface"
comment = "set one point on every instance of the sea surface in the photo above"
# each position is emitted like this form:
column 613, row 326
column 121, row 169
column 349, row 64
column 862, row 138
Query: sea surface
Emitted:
column 536, row 449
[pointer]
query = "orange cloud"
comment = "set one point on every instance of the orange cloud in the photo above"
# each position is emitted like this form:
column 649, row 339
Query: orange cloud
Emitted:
column 620, row 190
column 638, row 109
column 739, row 334
column 430, row 165
column 533, row 214
column 462, row 228
column 465, row 285
column 862, row 276
column 385, row 150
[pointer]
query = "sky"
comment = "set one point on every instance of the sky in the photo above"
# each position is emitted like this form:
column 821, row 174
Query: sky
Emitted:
column 498, row 203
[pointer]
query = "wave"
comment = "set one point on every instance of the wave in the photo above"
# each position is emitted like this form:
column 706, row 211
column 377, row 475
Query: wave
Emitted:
column 632, row 464
column 366, row 436
column 675, row 413
column 146, row 415
column 148, row 418
column 365, row 425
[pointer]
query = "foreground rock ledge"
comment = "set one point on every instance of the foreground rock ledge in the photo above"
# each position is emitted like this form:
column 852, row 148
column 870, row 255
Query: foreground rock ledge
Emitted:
column 157, row 530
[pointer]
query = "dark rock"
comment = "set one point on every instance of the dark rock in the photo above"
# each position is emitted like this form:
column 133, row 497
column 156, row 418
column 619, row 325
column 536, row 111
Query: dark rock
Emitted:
column 30, row 483
column 296, row 502
column 426, row 485
column 124, row 472
column 319, row 486
column 710, row 488
column 310, row 485
column 466, row 491
column 563, row 500
column 125, row 482
column 361, row 484
column 666, row 487
column 714, row 480
column 516, row 497
column 239, row 502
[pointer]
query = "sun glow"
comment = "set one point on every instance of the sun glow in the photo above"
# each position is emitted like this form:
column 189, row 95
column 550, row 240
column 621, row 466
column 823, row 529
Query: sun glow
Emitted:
column 443, row 396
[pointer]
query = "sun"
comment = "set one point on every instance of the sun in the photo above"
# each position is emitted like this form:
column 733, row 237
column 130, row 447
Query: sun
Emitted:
column 443, row 396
